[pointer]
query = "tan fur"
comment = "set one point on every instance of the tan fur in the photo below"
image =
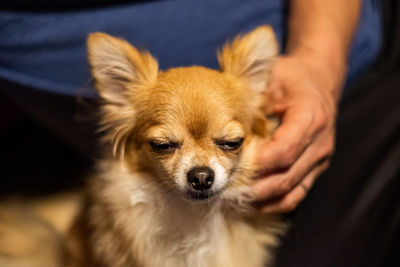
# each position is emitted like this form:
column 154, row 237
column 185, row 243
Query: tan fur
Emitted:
column 137, row 211
column 32, row 234
column 251, row 57
column 138, row 214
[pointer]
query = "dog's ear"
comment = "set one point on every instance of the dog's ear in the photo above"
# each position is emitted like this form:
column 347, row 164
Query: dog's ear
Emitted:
column 118, row 68
column 122, row 74
column 251, row 57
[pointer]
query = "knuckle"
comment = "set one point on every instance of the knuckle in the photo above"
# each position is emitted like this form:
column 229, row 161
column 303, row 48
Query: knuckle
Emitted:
column 290, row 204
column 321, row 120
column 289, row 154
column 328, row 149
column 327, row 163
column 285, row 186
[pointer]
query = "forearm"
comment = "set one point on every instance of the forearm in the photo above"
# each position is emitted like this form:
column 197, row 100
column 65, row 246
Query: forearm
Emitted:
column 331, row 22
column 323, row 29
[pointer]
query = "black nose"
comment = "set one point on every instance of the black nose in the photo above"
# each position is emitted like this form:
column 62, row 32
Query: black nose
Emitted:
column 200, row 178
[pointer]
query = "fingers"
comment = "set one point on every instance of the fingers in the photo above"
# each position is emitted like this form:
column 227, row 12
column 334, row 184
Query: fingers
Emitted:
column 288, row 142
column 280, row 183
column 301, row 147
column 292, row 199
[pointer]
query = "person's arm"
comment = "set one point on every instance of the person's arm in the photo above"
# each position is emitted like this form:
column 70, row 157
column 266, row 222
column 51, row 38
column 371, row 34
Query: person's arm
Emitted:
column 324, row 30
column 304, row 89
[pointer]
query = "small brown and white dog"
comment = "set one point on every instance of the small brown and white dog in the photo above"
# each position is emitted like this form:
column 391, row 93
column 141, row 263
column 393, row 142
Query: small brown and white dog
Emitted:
column 176, row 192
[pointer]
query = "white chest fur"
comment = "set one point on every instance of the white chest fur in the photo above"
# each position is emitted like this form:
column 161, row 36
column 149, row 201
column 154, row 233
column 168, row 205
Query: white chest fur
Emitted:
column 163, row 229
column 175, row 232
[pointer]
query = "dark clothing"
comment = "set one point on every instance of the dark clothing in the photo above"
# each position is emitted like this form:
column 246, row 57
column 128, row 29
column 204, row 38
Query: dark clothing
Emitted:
column 47, row 49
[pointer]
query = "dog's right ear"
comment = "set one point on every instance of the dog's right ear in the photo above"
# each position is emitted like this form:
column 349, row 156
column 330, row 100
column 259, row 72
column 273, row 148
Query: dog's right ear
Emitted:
column 251, row 56
column 122, row 74
column 118, row 68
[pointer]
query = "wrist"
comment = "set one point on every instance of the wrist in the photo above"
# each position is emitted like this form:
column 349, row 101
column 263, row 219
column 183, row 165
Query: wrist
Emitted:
column 325, row 47
column 325, row 60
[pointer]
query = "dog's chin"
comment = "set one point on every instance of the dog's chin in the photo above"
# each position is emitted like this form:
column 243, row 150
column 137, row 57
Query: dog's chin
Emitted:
column 199, row 197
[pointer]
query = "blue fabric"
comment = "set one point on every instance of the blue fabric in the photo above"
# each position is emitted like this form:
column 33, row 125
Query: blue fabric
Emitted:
column 47, row 50
column 367, row 40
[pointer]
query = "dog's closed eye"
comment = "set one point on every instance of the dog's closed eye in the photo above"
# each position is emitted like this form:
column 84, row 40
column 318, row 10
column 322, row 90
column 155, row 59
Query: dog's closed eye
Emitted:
column 230, row 145
column 163, row 147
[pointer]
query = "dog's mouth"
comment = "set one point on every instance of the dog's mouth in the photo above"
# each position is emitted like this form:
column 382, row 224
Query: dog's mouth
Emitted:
column 201, row 195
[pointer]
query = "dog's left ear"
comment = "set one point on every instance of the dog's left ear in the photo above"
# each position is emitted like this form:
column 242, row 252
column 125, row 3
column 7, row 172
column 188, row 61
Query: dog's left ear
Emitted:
column 251, row 57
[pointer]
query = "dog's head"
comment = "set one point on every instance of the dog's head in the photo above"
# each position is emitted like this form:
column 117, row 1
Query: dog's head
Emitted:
column 194, row 129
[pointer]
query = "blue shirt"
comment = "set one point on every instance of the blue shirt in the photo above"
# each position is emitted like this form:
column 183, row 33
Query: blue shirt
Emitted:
column 47, row 50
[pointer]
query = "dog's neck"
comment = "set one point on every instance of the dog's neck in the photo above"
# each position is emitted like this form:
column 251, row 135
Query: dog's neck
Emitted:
column 137, row 189
column 173, row 205
column 149, row 211
column 197, row 234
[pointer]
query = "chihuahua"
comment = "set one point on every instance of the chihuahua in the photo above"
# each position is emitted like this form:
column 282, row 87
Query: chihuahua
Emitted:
column 173, row 186
column 177, row 190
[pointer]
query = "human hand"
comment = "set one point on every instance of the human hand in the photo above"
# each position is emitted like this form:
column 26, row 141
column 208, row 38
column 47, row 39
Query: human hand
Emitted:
column 304, row 91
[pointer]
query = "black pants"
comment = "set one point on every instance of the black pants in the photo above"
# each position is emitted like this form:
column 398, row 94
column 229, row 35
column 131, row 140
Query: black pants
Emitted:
column 352, row 216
